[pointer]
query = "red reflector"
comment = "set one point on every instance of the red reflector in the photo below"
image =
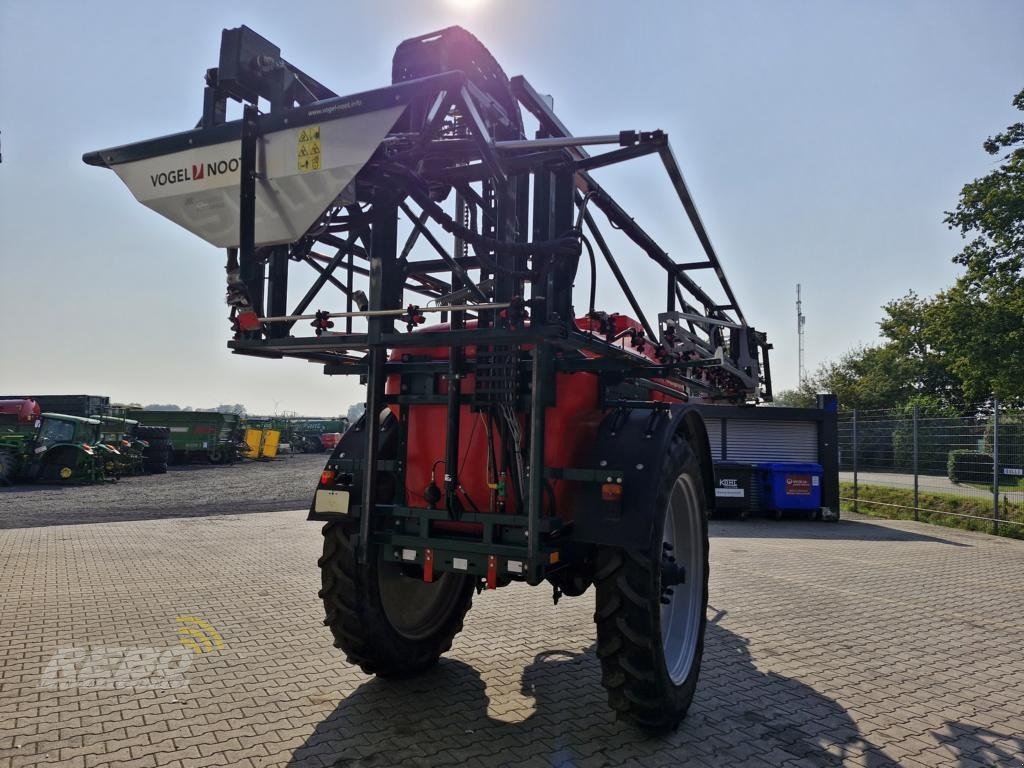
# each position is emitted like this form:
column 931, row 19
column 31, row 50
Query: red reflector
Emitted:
column 327, row 477
column 611, row 492
column 248, row 321
column 428, row 565
column 492, row 572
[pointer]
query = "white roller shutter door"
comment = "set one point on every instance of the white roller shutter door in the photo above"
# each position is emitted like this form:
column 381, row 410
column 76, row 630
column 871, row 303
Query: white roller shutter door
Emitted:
column 714, row 428
column 764, row 441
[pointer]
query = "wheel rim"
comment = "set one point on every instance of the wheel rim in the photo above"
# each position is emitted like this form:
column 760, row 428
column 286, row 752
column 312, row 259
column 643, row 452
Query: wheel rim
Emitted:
column 415, row 608
column 65, row 473
column 683, row 539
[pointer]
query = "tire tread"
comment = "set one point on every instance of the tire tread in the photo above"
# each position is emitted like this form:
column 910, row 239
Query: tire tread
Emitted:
column 627, row 615
column 359, row 628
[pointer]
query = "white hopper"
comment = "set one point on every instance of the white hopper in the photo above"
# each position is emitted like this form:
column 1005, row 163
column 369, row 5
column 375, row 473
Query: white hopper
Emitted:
column 301, row 170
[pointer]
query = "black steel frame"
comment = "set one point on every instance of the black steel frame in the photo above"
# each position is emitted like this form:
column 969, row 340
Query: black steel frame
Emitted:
column 523, row 218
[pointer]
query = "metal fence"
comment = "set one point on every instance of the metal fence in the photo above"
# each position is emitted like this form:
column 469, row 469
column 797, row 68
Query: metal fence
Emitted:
column 915, row 464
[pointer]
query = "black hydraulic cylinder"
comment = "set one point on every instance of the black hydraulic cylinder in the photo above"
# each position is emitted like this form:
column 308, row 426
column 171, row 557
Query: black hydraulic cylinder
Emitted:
column 277, row 289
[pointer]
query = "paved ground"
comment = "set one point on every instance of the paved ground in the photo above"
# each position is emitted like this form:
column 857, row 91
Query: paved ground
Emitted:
column 926, row 484
column 863, row 642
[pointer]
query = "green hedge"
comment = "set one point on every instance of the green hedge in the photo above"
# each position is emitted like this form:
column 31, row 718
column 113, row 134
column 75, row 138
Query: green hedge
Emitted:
column 1011, row 441
column 934, row 442
column 965, row 466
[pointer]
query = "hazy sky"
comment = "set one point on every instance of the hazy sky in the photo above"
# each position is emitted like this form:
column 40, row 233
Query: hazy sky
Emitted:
column 822, row 141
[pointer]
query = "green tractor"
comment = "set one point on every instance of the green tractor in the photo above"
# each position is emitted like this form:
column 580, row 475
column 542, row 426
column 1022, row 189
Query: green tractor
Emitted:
column 54, row 449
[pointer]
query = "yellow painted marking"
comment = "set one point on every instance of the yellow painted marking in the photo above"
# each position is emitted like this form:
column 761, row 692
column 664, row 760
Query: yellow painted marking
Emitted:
column 198, row 635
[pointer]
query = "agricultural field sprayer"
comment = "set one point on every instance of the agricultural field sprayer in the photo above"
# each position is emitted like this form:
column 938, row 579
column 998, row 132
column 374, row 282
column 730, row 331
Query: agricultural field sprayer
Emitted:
column 514, row 430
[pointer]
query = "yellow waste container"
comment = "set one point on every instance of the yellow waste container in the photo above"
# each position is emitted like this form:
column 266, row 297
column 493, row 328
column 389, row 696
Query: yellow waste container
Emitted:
column 271, row 438
column 254, row 441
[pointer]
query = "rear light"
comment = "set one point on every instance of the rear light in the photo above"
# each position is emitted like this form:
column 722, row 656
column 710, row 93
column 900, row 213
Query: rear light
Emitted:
column 248, row 321
column 327, row 477
column 611, row 492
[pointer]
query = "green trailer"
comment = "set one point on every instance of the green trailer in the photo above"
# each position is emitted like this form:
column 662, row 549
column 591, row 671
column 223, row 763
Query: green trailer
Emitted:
column 56, row 448
column 208, row 436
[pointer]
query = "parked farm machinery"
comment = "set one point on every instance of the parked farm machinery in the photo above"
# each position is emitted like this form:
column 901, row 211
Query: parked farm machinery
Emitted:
column 300, row 434
column 51, row 447
column 207, row 436
column 143, row 447
column 515, row 430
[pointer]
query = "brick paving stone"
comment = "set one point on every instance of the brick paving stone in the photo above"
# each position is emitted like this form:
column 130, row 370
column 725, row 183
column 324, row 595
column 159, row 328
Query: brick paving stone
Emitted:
column 865, row 642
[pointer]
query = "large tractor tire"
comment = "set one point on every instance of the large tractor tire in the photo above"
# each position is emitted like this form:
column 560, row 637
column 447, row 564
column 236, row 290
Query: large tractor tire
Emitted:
column 650, row 626
column 8, row 466
column 155, row 466
column 383, row 615
column 154, row 458
column 144, row 432
column 60, row 466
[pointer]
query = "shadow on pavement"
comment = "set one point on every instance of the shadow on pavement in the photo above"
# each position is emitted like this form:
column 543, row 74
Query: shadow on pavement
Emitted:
column 975, row 745
column 560, row 718
column 843, row 530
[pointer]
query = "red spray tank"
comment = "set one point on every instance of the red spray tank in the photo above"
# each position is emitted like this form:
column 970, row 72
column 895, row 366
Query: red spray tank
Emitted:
column 21, row 411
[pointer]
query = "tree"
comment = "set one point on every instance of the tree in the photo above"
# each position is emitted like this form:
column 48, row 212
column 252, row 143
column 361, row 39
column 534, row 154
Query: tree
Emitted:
column 980, row 339
column 992, row 208
column 355, row 411
column 865, row 378
column 978, row 325
column 954, row 351
column 907, row 329
column 237, row 409
column 794, row 398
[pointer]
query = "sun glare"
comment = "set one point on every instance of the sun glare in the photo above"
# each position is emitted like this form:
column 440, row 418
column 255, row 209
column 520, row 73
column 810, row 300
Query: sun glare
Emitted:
column 465, row 5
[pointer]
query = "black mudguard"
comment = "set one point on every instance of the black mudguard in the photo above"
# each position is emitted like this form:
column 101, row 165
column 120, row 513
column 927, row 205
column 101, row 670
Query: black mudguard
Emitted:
column 630, row 445
column 351, row 450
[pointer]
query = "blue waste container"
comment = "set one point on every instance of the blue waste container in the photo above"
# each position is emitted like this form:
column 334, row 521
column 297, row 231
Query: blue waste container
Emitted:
column 789, row 486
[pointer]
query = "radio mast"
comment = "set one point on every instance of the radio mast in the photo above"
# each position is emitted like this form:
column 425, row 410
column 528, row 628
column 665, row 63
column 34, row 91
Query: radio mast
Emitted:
column 800, row 319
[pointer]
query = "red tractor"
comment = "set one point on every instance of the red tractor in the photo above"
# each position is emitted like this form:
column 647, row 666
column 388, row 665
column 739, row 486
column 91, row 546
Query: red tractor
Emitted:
column 514, row 430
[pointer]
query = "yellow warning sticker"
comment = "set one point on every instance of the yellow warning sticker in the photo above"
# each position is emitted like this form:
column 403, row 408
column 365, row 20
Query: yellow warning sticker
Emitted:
column 307, row 151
